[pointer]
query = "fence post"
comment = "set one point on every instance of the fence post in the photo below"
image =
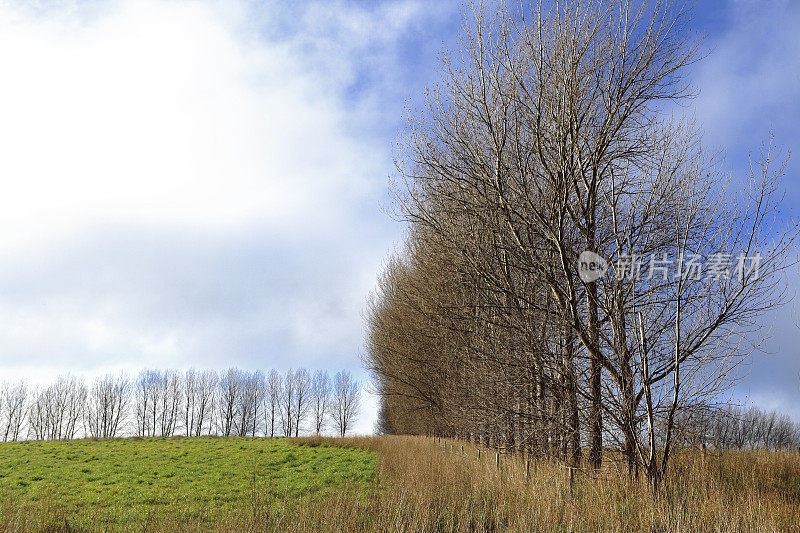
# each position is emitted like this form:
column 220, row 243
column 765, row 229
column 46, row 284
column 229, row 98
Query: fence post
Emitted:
column 571, row 482
column 527, row 468
column 479, row 453
column 462, row 449
column 497, row 460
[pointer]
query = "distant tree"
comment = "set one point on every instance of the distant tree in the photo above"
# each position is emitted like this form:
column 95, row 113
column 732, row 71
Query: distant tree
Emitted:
column 206, row 388
column 320, row 399
column 249, row 402
column 57, row 408
column 198, row 400
column 302, row 393
column 158, row 396
column 229, row 390
column 273, row 399
column 106, row 405
column 345, row 403
column 170, row 394
column 144, row 397
column 257, row 391
column 14, row 403
column 189, row 399
column 287, row 403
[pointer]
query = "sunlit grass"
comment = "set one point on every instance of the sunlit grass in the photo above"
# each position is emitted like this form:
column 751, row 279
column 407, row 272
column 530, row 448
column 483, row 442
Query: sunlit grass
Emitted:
column 124, row 483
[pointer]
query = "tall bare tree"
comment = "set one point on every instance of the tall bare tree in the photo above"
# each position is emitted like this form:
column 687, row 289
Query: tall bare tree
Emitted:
column 170, row 409
column 106, row 406
column 199, row 391
column 13, row 404
column 144, row 398
column 249, row 404
column 320, row 399
column 229, row 391
column 273, row 397
column 57, row 408
column 287, row 403
column 345, row 403
column 302, row 396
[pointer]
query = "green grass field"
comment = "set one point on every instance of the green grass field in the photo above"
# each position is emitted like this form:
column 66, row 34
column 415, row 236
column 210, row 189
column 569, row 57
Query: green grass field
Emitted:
column 130, row 483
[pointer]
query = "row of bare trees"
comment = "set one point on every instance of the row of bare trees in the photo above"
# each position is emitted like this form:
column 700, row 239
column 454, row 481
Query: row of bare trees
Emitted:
column 547, row 153
column 729, row 427
column 167, row 403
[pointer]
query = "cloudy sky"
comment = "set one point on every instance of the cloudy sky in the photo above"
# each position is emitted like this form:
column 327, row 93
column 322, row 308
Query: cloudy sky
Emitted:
column 201, row 183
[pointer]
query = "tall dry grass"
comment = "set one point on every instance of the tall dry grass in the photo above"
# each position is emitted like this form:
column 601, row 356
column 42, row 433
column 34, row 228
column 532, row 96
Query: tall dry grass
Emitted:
column 429, row 486
column 426, row 486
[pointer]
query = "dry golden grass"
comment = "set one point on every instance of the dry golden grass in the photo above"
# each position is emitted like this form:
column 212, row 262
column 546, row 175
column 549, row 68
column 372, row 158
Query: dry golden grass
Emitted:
column 425, row 486
column 432, row 487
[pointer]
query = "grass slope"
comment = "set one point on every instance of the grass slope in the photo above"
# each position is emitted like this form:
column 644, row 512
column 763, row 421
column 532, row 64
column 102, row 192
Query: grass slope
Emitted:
column 130, row 483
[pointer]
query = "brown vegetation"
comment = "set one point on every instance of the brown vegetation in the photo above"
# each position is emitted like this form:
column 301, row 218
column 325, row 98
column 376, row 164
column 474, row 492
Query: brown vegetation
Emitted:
column 428, row 485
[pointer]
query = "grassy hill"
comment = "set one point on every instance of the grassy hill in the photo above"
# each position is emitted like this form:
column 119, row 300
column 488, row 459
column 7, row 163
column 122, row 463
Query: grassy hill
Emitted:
column 130, row 483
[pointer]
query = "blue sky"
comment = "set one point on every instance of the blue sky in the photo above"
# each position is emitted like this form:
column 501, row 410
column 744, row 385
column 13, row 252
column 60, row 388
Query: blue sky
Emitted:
column 204, row 183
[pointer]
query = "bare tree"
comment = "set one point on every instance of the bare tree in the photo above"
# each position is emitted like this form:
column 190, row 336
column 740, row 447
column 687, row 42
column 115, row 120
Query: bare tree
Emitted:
column 287, row 403
column 345, row 403
column 273, row 397
column 189, row 401
column 13, row 407
column 57, row 408
column 229, row 391
column 320, row 399
column 145, row 398
column 248, row 404
column 727, row 427
column 106, row 405
column 170, row 395
column 158, row 402
column 302, row 396
column 198, row 393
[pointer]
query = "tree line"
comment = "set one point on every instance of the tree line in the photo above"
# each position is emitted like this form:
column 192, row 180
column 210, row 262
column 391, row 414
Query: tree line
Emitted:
column 550, row 140
column 730, row 427
column 166, row 403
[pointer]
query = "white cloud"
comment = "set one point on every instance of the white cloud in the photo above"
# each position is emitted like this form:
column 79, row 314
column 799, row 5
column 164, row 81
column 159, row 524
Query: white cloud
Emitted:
column 749, row 82
column 182, row 181
column 749, row 86
column 159, row 112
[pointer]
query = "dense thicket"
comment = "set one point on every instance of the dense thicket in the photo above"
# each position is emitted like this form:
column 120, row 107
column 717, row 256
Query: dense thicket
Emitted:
column 549, row 137
column 166, row 403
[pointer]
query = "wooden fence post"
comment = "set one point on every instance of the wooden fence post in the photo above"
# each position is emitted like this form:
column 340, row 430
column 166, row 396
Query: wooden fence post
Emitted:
column 497, row 460
column 571, row 482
